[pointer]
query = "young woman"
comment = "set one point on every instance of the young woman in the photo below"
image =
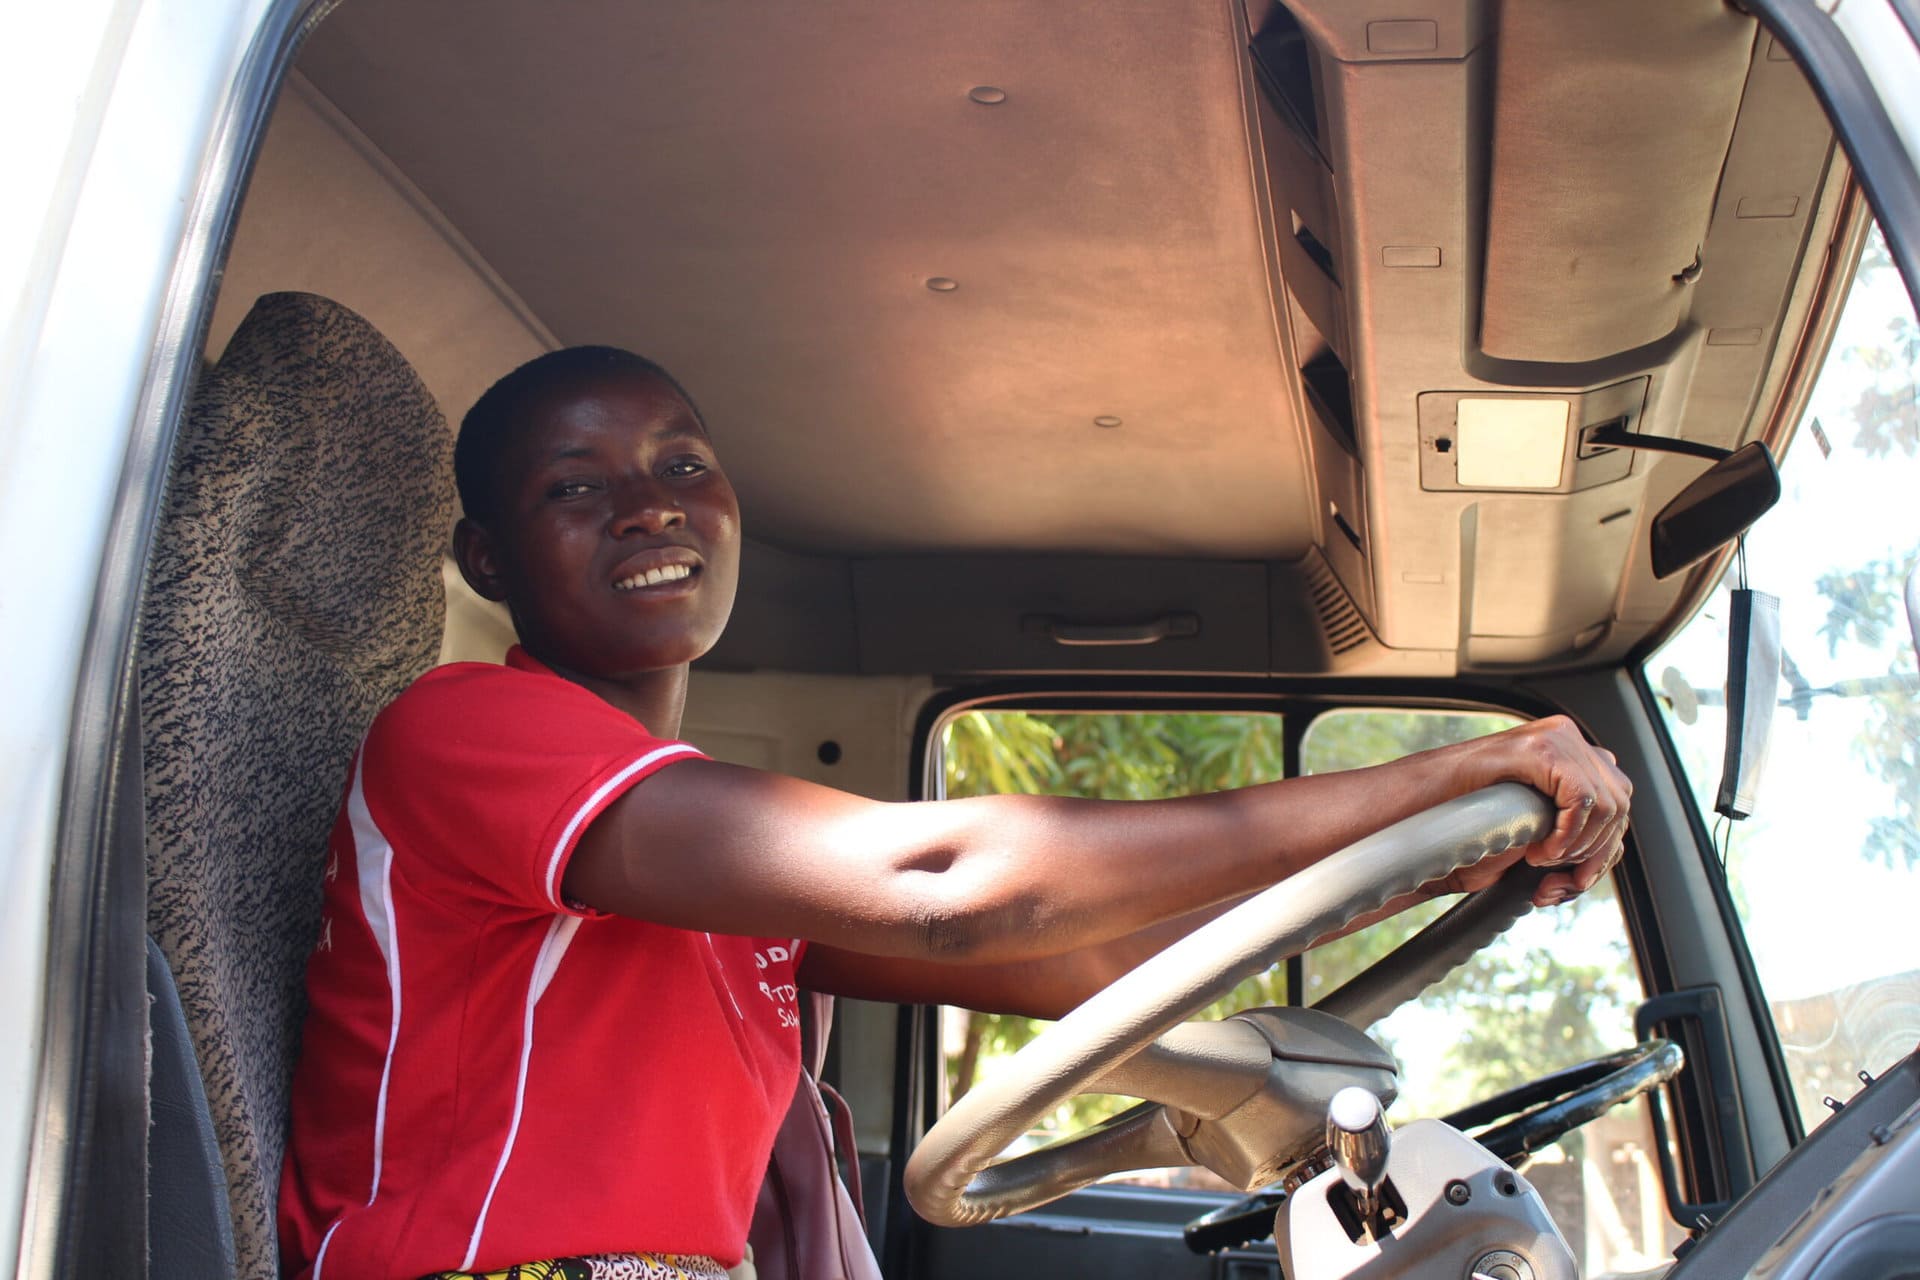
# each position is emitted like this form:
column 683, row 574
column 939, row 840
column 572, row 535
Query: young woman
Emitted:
column 553, row 1010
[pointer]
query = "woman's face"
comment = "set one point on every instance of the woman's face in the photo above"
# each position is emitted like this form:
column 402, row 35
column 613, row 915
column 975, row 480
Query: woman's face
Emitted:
column 617, row 543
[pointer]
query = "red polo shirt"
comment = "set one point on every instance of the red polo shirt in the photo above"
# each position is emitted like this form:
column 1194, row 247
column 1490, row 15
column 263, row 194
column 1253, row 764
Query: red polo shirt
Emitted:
column 489, row 1075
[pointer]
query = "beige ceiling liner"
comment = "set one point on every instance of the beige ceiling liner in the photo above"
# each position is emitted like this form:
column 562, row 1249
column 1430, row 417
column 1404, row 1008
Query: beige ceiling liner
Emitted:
column 757, row 195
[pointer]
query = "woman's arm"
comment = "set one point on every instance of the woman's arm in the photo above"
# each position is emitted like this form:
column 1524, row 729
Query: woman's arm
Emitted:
column 1044, row 987
column 1051, row 986
column 997, row 879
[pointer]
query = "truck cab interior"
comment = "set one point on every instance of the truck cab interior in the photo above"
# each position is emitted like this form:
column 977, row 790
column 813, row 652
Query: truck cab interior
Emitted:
column 1124, row 400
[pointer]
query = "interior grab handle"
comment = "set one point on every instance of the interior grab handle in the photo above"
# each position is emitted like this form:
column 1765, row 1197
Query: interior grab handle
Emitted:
column 1093, row 634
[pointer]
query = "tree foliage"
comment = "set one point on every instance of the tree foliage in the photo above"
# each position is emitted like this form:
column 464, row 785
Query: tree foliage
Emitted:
column 1886, row 416
column 1109, row 756
column 1865, row 602
column 1533, row 1006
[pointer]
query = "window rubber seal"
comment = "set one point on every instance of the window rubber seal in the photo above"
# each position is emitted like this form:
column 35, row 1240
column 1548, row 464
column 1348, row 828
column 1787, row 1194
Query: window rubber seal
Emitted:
column 1909, row 12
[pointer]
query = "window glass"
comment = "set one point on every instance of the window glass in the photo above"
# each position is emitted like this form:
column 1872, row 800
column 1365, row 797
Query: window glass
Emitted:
column 1825, row 875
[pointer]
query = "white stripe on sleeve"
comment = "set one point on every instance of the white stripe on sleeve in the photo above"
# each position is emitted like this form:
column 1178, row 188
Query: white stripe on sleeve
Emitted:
column 593, row 804
column 320, row 1259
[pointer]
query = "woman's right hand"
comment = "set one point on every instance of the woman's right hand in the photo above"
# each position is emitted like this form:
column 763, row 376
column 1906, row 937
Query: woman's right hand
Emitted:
column 1586, row 786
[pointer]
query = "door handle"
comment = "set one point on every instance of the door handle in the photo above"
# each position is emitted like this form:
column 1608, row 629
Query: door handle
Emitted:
column 1096, row 634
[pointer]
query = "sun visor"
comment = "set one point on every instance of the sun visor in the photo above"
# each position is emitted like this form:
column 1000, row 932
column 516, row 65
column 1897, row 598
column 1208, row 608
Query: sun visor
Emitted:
column 1608, row 137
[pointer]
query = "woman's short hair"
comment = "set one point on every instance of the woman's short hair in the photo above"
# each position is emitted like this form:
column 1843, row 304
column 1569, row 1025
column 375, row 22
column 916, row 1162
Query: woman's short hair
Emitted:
column 505, row 408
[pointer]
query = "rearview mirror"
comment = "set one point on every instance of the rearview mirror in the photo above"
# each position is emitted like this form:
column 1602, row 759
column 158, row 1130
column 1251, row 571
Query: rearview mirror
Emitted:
column 1719, row 506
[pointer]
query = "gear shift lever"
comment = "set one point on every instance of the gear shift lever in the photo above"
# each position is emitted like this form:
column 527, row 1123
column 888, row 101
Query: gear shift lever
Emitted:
column 1357, row 1136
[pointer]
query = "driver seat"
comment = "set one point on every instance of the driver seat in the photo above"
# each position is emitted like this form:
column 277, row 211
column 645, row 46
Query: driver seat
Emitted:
column 294, row 590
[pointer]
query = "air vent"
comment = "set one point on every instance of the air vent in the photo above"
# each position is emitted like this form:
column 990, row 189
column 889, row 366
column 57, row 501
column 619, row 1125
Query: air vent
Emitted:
column 1340, row 622
column 1330, row 395
column 1319, row 254
column 1284, row 60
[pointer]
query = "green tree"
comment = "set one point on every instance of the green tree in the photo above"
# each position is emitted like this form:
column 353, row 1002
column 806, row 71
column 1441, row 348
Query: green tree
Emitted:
column 1537, row 1000
column 1359, row 739
column 1865, row 608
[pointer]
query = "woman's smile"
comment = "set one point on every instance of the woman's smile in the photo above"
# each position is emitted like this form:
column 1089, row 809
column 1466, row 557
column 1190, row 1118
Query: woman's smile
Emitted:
column 656, row 578
column 657, row 570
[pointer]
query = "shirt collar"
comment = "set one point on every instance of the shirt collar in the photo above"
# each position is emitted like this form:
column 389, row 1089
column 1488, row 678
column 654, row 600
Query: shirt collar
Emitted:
column 520, row 660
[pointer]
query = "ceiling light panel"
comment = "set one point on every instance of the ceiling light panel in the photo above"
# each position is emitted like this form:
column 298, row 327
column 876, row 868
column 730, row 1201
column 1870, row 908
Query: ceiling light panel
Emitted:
column 1510, row 443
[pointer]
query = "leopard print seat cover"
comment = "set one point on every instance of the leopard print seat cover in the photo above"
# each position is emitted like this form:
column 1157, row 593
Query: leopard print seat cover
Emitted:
column 294, row 590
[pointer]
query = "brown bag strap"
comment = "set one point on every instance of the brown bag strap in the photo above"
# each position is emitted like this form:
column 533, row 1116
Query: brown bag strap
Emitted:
column 816, row 1024
column 840, row 1116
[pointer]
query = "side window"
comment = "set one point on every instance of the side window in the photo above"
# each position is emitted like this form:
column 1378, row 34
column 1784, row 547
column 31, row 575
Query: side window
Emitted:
column 1557, row 989
column 1825, row 875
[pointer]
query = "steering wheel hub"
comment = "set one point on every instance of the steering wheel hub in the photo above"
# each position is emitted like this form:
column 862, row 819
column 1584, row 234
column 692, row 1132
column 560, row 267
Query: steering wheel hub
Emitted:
column 1283, row 1121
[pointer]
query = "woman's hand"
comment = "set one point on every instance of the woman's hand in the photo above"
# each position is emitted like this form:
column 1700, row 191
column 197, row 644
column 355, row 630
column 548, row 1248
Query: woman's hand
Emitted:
column 1586, row 786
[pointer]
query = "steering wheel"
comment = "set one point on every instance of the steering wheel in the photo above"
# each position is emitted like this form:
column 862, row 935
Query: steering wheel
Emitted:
column 1528, row 1117
column 1205, row 1072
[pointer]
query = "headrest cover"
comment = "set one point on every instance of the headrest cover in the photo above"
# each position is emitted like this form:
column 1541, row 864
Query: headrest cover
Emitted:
column 305, row 473
column 294, row 591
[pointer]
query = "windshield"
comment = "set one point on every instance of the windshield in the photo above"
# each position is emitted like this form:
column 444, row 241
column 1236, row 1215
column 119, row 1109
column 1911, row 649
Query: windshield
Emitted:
column 1826, row 874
